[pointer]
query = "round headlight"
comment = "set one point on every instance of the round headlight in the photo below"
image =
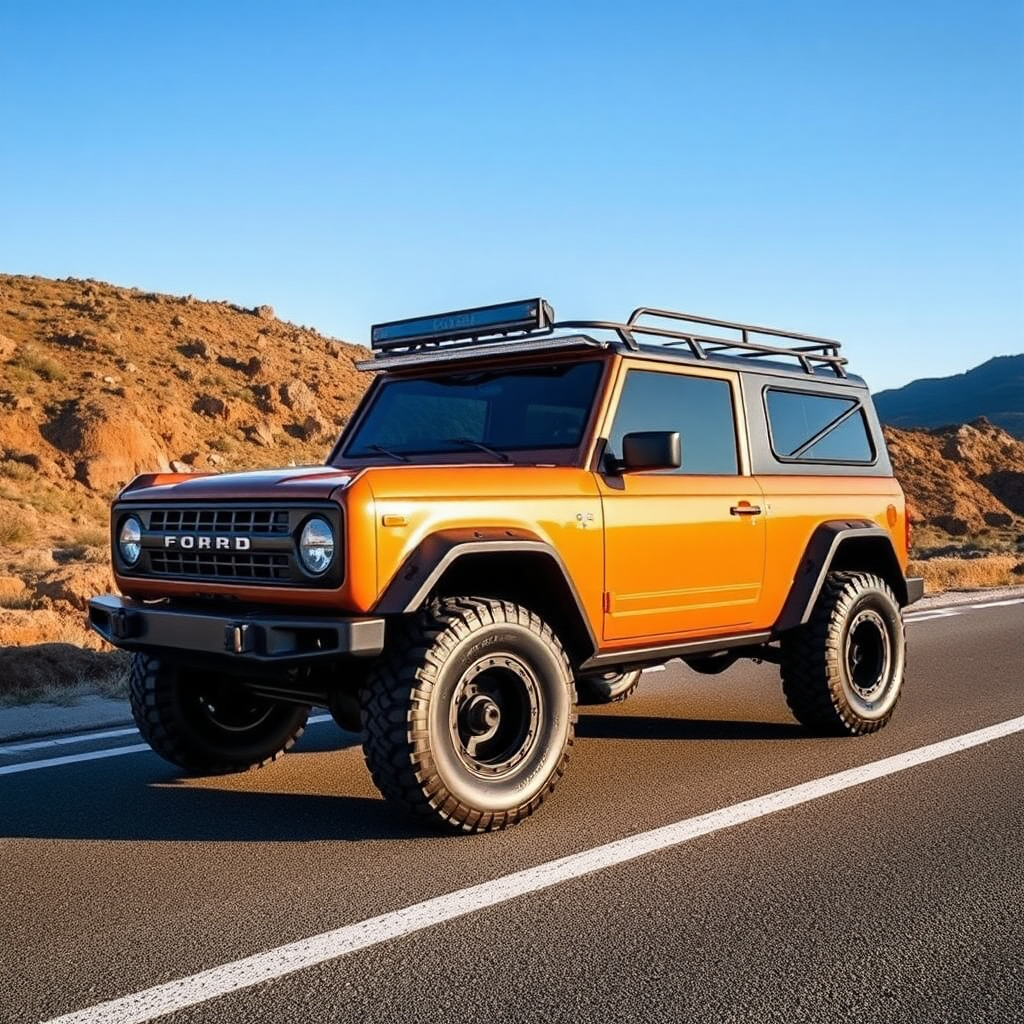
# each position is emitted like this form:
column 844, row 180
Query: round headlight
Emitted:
column 316, row 546
column 129, row 541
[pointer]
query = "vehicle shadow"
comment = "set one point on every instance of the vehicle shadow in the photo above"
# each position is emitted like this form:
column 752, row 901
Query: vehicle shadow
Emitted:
column 652, row 727
column 145, row 800
column 161, row 806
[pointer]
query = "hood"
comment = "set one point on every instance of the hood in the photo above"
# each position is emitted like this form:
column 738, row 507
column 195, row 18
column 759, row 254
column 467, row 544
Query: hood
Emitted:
column 297, row 483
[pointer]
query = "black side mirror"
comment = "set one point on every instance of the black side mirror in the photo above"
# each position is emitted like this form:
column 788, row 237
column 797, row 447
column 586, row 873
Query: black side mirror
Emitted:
column 651, row 449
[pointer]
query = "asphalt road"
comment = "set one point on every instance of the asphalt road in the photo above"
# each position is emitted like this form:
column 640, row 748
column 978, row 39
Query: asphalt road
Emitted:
column 898, row 899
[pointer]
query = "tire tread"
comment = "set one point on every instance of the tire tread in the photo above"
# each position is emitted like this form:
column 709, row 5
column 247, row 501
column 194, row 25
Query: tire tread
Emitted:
column 811, row 655
column 394, row 706
column 152, row 701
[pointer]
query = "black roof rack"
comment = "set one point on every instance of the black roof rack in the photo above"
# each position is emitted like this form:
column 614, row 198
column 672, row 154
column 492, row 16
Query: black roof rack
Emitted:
column 528, row 324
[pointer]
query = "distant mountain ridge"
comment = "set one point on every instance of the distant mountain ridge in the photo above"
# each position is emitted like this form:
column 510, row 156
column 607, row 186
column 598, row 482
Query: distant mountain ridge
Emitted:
column 994, row 390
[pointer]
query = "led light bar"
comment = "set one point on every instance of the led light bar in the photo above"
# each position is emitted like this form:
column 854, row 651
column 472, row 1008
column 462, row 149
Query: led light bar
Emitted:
column 505, row 318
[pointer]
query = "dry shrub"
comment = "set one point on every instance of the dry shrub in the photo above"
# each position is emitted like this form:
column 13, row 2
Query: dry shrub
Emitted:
column 16, row 529
column 42, row 366
column 92, row 538
column 966, row 573
column 14, row 593
column 15, row 470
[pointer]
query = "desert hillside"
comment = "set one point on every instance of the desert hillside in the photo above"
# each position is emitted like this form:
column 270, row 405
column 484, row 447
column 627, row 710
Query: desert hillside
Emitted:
column 98, row 383
column 994, row 390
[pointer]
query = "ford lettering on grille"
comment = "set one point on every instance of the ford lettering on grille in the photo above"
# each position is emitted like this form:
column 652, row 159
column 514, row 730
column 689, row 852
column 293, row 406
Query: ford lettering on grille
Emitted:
column 190, row 542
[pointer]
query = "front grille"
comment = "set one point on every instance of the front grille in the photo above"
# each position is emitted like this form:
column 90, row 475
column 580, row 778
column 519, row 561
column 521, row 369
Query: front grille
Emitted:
column 219, row 520
column 226, row 565
column 243, row 542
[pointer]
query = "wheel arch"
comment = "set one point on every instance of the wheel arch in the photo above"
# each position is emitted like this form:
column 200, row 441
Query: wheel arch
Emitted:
column 838, row 546
column 513, row 564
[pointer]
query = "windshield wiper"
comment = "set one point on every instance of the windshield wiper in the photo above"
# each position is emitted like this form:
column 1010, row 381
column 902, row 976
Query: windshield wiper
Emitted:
column 478, row 444
column 397, row 456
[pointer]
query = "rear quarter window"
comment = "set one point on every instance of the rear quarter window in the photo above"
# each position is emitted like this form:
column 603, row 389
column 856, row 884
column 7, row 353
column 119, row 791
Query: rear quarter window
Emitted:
column 808, row 427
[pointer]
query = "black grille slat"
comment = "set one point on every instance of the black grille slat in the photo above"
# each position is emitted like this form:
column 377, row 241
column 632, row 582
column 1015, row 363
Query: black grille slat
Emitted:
column 272, row 522
column 235, row 565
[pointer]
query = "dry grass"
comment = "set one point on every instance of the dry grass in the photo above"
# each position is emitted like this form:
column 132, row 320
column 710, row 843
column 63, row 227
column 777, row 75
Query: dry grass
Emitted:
column 16, row 530
column 15, row 470
column 14, row 593
column 31, row 362
column 60, row 673
column 968, row 573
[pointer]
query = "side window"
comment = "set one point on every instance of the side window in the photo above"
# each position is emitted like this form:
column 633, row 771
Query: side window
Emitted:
column 817, row 428
column 700, row 408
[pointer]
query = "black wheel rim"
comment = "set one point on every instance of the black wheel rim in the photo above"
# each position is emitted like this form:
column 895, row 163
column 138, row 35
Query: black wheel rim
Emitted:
column 494, row 714
column 869, row 656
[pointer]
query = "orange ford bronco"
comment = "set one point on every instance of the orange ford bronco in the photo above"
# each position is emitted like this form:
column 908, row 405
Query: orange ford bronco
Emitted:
column 520, row 516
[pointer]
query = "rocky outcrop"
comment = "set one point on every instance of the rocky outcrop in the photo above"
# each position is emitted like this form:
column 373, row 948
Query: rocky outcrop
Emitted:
column 961, row 479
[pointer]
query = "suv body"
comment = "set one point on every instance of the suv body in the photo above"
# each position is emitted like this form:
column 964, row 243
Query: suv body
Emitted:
column 514, row 518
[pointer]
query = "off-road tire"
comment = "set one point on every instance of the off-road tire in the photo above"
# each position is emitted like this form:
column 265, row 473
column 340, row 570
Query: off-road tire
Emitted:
column 607, row 687
column 821, row 659
column 175, row 713
column 448, row 657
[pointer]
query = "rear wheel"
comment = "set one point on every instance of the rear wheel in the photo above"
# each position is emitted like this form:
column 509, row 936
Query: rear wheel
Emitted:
column 607, row 687
column 468, row 723
column 842, row 672
column 205, row 723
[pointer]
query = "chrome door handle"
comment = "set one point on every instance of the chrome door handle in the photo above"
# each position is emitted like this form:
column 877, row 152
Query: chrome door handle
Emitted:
column 745, row 510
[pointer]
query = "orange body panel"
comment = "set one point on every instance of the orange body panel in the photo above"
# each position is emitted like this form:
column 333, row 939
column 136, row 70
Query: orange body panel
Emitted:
column 796, row 505
column 560, row 504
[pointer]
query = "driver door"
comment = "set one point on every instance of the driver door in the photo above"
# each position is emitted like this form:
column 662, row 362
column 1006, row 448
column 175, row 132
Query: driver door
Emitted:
column 684, row 548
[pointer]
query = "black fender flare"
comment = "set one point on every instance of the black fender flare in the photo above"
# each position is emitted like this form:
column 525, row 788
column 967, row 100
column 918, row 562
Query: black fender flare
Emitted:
column 822, row 550
column 434, row 555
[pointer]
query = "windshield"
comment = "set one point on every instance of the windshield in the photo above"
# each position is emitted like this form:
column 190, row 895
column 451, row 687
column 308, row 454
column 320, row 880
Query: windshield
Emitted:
column 505, row 410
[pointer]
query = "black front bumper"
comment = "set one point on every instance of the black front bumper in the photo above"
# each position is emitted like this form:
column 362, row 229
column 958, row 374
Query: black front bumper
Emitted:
column 262, row 639
column 915, row 589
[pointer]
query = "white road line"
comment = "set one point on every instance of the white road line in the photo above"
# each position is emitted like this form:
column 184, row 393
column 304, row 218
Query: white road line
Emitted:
column 935, row 613
column 297, row 956
column 55, row 762
column 998, row 604
column 89, row 755
column 654, row 668
column 60, row 741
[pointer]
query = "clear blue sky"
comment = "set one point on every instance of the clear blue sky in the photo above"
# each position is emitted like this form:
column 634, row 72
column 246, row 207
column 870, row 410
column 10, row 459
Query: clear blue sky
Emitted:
column 854, row 169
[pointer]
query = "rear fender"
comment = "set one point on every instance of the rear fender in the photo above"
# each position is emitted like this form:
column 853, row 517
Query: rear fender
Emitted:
column 836, row 546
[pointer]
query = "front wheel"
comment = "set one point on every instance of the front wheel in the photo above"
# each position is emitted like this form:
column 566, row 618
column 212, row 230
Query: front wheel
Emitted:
column 468, row 723
column 205, row 723
column 842, row 672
